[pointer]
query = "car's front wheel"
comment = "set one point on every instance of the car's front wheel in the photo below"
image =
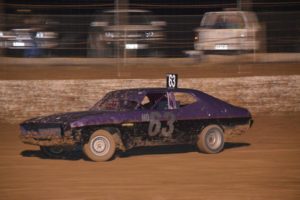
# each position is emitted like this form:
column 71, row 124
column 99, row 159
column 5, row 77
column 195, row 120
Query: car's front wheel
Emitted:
column 57, row 151
column 101, row 146
column 211, row 139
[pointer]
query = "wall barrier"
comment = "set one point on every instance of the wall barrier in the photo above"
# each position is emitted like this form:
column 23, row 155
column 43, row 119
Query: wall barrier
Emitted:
column 22, row 99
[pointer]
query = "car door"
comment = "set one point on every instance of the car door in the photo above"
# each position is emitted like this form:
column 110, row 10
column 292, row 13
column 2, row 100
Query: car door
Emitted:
column 187, row 124
column 158, row 117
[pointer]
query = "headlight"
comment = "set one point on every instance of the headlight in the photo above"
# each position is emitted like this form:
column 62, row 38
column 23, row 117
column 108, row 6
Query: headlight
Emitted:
column 196, row 38
column 5, row 34
column 149, row 34
column 45, row 35
column 109, row 34
column 39, row 35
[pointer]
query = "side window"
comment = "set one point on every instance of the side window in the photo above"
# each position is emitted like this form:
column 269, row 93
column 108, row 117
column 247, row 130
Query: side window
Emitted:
column 146, row 104
column 184, row 99
column 155, row 101
column 161, row 103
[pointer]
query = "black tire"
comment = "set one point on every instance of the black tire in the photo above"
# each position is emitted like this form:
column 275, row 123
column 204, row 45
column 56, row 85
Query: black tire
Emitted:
column 211, row 139
column 100, row 147
column 53, row 151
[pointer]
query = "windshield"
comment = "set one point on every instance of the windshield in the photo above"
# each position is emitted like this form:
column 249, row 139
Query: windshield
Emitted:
column 118, row 101
column 223, row 21
column 134, row 18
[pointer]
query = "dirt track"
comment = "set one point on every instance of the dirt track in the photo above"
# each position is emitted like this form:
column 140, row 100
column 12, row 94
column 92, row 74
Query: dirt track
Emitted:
column 145, row 70
column 263, row 164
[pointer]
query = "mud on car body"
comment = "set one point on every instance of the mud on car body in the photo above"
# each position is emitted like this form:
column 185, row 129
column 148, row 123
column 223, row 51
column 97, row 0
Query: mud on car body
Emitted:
column 124, row 119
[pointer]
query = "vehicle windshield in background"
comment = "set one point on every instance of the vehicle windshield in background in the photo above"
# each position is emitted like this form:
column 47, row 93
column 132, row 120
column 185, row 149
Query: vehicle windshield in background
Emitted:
column 133, row 18
column 221, row 21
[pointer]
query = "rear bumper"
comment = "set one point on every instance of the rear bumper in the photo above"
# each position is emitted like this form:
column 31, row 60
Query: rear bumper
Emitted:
column 224, row 46
column 238, row 129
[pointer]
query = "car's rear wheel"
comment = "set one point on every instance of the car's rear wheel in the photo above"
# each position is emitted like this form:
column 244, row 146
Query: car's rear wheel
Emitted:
column 56, row 151
column 101, row 146
column 211, row 139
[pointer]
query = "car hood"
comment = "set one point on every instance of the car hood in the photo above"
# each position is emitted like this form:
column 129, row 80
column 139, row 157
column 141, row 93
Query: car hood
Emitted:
column 132, row 28
column 62, row 117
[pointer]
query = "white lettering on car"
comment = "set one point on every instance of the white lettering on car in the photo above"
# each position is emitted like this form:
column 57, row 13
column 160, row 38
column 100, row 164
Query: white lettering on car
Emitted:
column 155, row 124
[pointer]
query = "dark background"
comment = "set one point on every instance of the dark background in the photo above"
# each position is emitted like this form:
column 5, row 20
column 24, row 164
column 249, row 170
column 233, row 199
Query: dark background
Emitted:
column 280, row 19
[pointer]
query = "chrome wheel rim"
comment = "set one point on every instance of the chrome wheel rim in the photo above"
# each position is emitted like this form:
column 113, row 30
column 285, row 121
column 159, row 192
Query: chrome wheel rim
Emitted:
column 214, row 139
column 100, row 145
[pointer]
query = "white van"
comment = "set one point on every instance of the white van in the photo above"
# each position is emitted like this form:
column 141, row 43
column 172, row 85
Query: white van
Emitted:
column 228, row 31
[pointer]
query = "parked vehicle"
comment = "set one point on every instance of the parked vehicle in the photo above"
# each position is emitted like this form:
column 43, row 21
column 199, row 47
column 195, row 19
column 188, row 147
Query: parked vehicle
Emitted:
column 31, row 42
column 125, row 33
column 30, row 36
column 4, row 37
column 128, row 118
column 229, row 31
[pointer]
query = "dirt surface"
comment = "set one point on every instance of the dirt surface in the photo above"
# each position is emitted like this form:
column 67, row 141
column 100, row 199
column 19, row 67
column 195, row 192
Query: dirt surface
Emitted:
column 144, row 70
column 262, row 164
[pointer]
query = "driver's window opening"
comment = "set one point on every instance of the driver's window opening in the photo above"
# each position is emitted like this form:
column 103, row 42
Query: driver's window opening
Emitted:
column 145, row 101
column 161, row 103
column 155, row 101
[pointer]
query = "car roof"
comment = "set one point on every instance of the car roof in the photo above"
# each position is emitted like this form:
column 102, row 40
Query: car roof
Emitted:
column 229, row 12
column 127, row 11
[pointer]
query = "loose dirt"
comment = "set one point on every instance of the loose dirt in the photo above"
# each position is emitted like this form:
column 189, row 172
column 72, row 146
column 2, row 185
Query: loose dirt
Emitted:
column 147, row 70
column 262, row 164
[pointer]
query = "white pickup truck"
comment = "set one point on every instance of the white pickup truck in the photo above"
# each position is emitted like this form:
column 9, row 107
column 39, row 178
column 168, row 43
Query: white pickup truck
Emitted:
column 228, row 31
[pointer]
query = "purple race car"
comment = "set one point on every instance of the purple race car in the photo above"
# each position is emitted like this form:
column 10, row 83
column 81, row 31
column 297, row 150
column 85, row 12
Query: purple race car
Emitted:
column 124, row 119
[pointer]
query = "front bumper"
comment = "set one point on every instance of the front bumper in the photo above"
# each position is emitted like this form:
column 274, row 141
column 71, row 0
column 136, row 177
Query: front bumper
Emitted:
column 29, row 44
column 45, row 137
column 224, row 46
